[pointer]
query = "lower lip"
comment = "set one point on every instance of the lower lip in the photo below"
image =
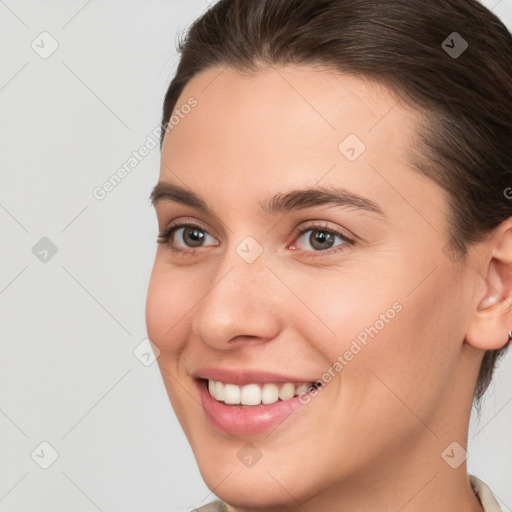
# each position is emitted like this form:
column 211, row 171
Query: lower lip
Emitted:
column 240, row 420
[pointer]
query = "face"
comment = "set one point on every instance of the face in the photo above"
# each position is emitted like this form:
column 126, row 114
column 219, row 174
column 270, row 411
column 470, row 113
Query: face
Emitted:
column 304, row 248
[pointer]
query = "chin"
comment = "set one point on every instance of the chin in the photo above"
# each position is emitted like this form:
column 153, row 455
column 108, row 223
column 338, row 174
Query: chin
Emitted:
column 279, row 479
column 252, row 488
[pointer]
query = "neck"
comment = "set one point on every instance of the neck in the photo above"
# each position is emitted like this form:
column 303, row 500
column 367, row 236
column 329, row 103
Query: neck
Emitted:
column 409, row 476
column 414, row 482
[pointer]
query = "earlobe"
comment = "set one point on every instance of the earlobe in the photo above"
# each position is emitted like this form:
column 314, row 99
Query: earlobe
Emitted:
column 491, row 323
column 489, row 332
column 492, row 319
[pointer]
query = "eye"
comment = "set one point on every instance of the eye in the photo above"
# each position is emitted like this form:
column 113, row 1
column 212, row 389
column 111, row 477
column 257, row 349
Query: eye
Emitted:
column 184, row 237
column 187, row 238
column 319, row 238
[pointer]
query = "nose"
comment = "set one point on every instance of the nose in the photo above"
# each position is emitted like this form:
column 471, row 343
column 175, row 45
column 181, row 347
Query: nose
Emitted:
column 240, row 306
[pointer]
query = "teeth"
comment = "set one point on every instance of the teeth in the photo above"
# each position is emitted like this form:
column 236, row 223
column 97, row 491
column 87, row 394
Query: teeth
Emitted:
column 232, row 394
column 250, row 395
column 212, row 388
column 255, row 394
column 219, row 390
column 287, row 391
column 303, row 388
column 269, row 394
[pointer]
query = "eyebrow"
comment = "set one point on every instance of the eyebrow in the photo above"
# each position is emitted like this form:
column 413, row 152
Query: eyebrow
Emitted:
column 280, row 203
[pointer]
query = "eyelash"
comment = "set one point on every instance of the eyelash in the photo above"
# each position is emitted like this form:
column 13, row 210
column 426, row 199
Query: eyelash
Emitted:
column 165, row 236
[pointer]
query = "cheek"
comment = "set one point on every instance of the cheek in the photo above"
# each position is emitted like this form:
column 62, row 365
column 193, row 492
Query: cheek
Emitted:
column 167, row 304
column 389, row 342
column 342, row 306
column 409, row 363
column 166, row 309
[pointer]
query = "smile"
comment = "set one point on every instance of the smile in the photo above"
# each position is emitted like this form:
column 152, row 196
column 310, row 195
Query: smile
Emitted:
column 255, row 394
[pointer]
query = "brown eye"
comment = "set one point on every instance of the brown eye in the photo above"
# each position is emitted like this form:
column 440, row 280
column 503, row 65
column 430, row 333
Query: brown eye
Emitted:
column 320, row 239
column 185, row 236
column 191, row 236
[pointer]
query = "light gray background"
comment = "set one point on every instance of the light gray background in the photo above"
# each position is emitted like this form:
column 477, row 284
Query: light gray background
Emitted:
column 69, row 326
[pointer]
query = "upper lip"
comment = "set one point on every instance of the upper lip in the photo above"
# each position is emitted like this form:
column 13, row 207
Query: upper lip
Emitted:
column 241, row 377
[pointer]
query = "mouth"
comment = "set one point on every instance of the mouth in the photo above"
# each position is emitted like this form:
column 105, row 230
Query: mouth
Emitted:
column 245, row 404
column 255, row 394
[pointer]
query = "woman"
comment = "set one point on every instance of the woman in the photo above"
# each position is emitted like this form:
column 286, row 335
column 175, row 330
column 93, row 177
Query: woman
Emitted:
column 332, row 287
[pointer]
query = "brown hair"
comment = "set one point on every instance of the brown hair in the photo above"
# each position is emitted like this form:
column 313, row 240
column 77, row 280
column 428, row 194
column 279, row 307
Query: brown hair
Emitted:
column 466, row 98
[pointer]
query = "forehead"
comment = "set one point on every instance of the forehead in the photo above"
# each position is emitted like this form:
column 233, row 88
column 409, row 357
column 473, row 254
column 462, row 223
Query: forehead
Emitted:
column 286, row 111
column 252, row 134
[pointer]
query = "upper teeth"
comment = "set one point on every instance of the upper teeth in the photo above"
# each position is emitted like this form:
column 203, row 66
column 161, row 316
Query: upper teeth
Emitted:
column 254, row 394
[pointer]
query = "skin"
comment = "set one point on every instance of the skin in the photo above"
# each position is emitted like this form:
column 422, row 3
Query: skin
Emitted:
column 372, row 438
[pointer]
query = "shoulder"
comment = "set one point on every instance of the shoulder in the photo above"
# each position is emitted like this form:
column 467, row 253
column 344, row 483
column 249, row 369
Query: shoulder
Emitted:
column 487, row 498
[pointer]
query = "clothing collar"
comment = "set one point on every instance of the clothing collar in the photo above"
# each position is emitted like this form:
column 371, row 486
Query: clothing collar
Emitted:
column 485, row 495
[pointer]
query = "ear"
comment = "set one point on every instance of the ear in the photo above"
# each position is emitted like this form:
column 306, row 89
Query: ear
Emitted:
column 492, row 319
